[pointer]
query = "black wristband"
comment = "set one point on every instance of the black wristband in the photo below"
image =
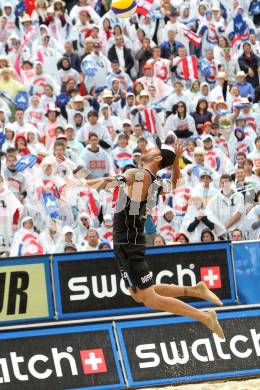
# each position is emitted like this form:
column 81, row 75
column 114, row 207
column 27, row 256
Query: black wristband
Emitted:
column 120, row 178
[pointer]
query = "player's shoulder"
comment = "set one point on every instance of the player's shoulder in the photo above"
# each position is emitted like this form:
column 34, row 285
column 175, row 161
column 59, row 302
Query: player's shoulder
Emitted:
column 137, row 174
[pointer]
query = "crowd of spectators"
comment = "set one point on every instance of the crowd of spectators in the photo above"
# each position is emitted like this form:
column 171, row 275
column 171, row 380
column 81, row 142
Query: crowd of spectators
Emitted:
column 84, row 94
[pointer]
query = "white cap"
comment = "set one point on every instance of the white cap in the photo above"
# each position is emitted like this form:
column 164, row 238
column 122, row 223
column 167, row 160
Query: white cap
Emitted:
column 107, row 93
column 52, row 107
column 26, row 219
column 67, row 229
column 68, row 126
column 198, row 150
column 206, row 137
column 215, row 7
column 108, row 217
column 221, row 75
column 168, row 209
column 144, row 93
column 127, row 122
column 25, row 18
column 104, row 105
column 78, row 98
column 241, row 73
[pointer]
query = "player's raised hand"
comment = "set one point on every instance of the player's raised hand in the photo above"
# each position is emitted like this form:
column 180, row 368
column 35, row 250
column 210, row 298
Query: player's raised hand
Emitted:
column 179, row 148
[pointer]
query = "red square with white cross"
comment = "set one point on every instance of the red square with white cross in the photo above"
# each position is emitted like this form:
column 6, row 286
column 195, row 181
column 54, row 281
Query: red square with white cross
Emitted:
column 211, row 276
column 93, row 361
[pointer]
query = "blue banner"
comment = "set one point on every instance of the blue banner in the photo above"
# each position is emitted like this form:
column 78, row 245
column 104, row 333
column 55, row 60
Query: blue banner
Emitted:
column 247, row 271
column 27, row 161
column 90, row 285
column 180, row 350
column 71, row 357
column 51, row 205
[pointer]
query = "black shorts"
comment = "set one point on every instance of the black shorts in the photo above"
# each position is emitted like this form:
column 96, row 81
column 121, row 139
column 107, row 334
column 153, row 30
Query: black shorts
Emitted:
column 133, row 266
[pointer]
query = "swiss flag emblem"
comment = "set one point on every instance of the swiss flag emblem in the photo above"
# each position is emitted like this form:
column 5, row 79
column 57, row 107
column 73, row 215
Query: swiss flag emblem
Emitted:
column 211, row 276
column 93, row 361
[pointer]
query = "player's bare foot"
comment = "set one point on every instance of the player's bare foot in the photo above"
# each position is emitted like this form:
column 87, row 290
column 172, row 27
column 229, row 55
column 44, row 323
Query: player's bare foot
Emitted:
column 206, row 294
column 213, row 324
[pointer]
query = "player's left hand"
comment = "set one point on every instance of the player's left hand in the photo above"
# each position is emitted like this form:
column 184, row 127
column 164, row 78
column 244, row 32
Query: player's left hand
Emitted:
column 179, row 148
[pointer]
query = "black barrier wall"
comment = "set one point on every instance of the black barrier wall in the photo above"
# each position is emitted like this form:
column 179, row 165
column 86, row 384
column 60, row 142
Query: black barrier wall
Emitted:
column 82, row 357
column 89, row 284
column 173, row 350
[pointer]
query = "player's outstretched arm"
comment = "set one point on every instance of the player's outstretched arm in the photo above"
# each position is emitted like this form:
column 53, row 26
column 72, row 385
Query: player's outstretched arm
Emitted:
column 179, row 149
column 111, row 181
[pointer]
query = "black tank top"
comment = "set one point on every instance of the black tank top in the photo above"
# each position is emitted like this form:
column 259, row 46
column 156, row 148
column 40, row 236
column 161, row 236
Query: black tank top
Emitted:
column 130, row 214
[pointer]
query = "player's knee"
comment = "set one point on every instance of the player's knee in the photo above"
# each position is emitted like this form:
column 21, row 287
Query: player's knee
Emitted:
column 149, row 299
column 137, row 296
column 150, row 302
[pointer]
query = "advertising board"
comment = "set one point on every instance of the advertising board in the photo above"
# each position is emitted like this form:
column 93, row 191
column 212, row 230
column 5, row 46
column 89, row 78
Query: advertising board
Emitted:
column 82, row 357
column 89, row 284
column 25, row 290
column 177, row 350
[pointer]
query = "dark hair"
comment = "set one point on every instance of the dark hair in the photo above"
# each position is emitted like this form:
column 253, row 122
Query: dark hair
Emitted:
column 11, row 151
column 91, row 135
column 226, row 40
column 140, row 29
column 198, row 105
column 250, row 162
column 59, row 143
column 92, row 112
column 175, row 108
column 168, row 158
column 108, row 20
column 237, row 230
column 257, row 139
column 257, row 195
column 139, row 125
column 157, row 236
column 181, row 47
column 93, row 230
column 246, row 43
column 118, row 25
column 178, row 235
column 225, row 176
column 241, row 153
column 206, row 230
column 193, row 141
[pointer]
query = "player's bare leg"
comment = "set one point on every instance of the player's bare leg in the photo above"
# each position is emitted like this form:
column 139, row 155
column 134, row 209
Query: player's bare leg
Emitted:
column 153, row 300
column 199, row 291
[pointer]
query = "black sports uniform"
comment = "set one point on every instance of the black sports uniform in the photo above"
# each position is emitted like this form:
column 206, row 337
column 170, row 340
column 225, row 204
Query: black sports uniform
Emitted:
column 129, row 240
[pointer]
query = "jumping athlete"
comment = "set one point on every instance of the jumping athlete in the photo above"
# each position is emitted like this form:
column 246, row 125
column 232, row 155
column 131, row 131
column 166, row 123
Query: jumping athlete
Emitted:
column 138, row 191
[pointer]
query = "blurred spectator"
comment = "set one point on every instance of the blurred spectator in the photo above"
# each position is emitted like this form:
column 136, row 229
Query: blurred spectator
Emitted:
column 159, row 241
column 237, row 235
column 228, row 205
column 93, row 241
column 70, row 248
column 95, row 159
column 104, row 246
column 198, row 218
column 181, row 238
column 253, row 219
column 207, row 236
column 85, row 95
